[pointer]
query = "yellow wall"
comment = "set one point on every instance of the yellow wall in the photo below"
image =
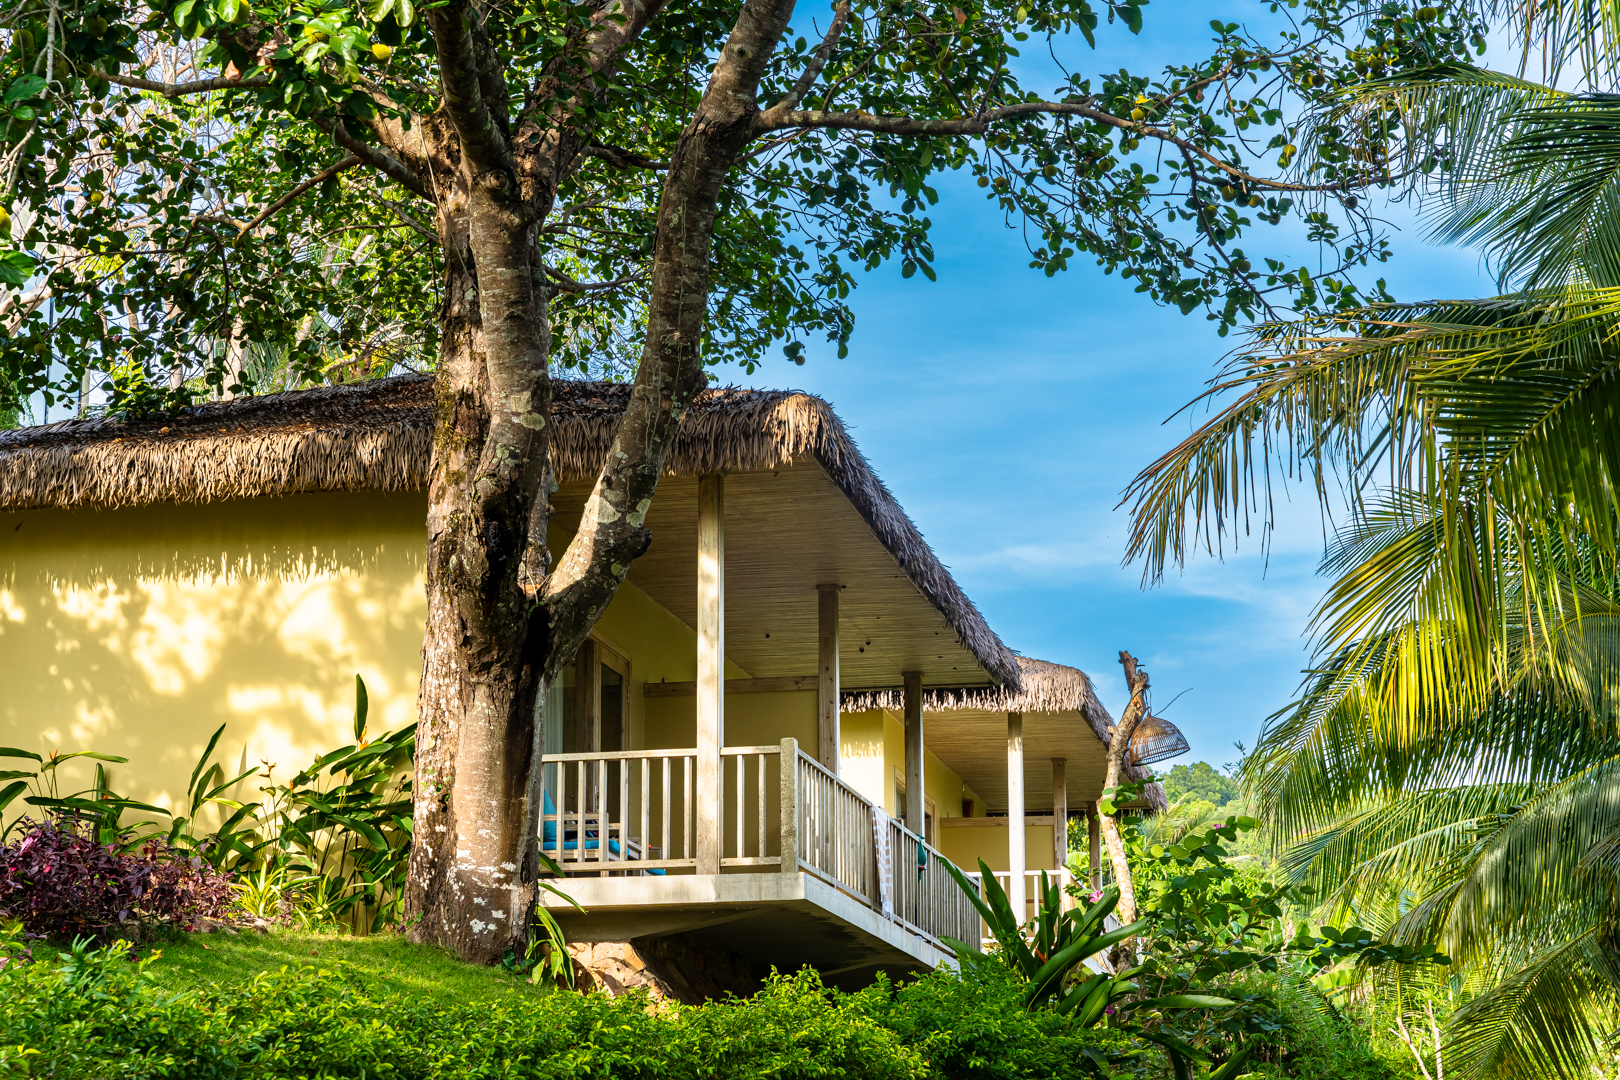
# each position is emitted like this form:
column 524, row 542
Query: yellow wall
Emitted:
column 965, row 845
column 874, row 746
column 137, row 632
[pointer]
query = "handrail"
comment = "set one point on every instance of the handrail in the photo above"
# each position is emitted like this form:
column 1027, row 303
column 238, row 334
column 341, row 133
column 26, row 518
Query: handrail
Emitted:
column 837, row 842
column 634, row 755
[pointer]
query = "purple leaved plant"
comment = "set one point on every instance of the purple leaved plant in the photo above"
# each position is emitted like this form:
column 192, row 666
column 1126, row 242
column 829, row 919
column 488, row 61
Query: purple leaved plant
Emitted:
column 59, row 883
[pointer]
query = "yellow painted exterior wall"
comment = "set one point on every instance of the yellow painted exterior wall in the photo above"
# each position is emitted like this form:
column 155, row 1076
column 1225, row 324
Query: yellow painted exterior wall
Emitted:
column 138, row 631
column 874, row 746
column 965, row 845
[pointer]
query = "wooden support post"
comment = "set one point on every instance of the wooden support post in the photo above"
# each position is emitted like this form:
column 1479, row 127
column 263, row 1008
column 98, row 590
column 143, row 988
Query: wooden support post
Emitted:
column 914, row 750
column 790, row 806
column 711, row 664
column 827, row 733
column 1094, row 842
column 1060, row 812
column 1015, row 813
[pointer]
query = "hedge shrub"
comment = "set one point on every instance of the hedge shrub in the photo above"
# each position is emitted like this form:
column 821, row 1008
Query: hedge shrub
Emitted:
column 96, row 1015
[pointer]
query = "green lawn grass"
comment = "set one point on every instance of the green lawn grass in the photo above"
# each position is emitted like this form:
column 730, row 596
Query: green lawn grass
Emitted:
column 208, row 961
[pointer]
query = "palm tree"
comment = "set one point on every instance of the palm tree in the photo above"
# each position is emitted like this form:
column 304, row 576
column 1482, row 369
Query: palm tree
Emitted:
column 1452, row 768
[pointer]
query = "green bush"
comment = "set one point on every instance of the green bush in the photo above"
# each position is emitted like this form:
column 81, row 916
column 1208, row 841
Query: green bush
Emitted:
column 95, row 1014
column 1315, row 1041
column 978, row 1029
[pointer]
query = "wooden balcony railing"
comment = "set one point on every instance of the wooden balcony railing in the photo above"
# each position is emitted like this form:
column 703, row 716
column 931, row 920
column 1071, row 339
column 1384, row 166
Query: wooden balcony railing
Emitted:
column 629, row 810
column 633, row 811
column 1032, row 891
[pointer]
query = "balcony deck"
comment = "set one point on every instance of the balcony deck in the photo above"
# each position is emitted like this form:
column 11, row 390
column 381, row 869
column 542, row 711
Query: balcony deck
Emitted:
column 810, row 871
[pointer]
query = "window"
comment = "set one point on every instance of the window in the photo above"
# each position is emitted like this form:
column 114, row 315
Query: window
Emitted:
column 587, row 711
column 929, row 810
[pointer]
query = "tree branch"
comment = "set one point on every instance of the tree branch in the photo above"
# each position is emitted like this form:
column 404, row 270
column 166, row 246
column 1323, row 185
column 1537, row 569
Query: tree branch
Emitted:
column 979, row 123
column 410, row 222
column 319, row 178
column 172, row 90
column 621, row 158
column 568, row 284
column 818, row 60
column 483, row 140
column 376, row 157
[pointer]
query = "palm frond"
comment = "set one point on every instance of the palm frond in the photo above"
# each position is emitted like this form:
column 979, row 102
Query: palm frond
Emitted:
column 1550, row 1017
column 1413, row 122
column 1501, row 416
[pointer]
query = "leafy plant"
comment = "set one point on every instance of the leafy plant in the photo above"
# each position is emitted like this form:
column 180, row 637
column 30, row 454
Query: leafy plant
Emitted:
column 344, row 824
column 1062, row 942
column 1205, row 926
column 546, row 961
column 95, row 805
column 59, row 880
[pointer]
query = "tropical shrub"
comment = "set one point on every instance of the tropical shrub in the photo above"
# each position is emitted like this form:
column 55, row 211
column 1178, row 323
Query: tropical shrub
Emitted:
column 973, row 1024
column 59, row 879
column 91, row 1013
column 328, row 847
column 1184, row 976
column 1314, row 1040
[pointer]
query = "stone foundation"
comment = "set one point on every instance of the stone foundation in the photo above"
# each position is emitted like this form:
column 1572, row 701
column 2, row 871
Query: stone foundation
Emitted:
column 668, row 969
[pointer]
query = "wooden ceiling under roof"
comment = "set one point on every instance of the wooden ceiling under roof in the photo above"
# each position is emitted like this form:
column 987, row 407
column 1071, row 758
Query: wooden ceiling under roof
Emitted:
column 974, row 744
column 788, row 530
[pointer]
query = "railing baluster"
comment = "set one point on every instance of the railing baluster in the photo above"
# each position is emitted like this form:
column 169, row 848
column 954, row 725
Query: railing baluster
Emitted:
column 601, row 812
column 666, row 804
column 686, row 817
column 761, row 806
column 581, row 807
column 624, row 808
column 646, row 832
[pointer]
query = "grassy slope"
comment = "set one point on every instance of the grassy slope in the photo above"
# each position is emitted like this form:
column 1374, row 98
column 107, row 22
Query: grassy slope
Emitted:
column 202, row 961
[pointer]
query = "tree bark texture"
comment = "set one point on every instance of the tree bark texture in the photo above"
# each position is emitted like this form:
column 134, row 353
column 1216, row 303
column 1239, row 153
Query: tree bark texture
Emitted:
column 501, row 621
column 1119, row 746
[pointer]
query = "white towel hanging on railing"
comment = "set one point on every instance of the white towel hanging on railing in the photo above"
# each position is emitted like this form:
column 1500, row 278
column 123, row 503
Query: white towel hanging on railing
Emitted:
column 885, row 861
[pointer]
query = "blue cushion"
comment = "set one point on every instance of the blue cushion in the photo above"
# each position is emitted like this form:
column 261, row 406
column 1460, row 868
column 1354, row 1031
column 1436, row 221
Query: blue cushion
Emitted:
column 549, row 807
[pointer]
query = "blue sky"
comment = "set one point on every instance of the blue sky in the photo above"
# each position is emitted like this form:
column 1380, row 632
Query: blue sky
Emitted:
column 1007, row 411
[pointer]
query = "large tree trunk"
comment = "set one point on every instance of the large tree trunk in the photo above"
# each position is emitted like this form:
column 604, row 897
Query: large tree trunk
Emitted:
column 471, row 870
column 499, row 624
column 1119, row 745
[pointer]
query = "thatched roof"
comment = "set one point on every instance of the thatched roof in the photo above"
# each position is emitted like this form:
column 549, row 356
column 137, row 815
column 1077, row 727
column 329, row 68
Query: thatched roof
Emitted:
column 378, row 436
column 1046, row 688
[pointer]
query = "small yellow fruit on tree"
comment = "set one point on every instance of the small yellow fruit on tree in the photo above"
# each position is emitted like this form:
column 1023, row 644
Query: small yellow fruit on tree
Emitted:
column 381, row 51
column 97, row 198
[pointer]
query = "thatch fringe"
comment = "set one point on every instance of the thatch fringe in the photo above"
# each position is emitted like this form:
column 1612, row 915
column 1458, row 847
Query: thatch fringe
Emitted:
column 372, row 436
column 378, row 436
column 1046, row 688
